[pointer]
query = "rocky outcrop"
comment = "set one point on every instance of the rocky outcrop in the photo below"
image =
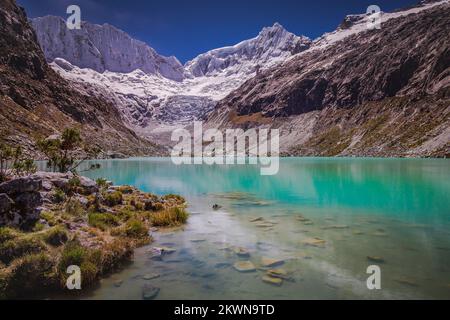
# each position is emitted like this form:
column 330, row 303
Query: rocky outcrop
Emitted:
column 20, row 201
column 36, row 102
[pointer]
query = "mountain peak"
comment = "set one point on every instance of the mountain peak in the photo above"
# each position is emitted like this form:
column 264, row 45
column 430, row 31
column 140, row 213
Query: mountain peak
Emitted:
column 102, row 48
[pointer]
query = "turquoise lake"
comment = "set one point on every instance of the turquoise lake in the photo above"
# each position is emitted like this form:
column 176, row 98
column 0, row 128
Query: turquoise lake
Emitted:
column 320, row 217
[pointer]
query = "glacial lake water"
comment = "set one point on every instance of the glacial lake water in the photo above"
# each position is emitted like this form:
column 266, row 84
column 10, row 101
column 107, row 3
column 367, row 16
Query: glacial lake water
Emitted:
column 397, row 210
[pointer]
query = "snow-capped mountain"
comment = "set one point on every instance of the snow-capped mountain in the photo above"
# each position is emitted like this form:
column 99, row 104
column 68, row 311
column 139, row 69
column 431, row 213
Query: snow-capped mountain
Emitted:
column 271, row 45
column 149, row 88
column 101, row 48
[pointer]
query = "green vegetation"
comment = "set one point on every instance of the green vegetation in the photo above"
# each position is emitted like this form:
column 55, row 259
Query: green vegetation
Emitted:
column 49, row 217
column 170, row 217
column 114, row 198
column 89, row 261
column 7, row 233
column 20, row 246
column 175, row 197
column 103, row 221
column 56, row 236
column 59, row 195
column 31, row 272
column 101, row 183
column 61, row 152
column 74, row 208
column 14, row 158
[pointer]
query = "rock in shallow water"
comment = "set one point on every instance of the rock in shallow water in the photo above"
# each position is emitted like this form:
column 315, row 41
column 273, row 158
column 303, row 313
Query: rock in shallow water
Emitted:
column 149, row 292
column 241, row 252
column 314, row 242
column 269, row 262
column 151, row 276
column 272, row 280
column 376, row 259
column 244, row 266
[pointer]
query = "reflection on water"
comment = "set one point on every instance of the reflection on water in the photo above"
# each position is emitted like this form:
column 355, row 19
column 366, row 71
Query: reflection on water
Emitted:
column 319, row 218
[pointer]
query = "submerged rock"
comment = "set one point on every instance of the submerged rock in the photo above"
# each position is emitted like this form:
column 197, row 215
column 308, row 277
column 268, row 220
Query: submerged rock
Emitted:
column 216, row 207
column 376, row 259
column 244, row 266
column 162, row 250
column 241, row 252
column 150, row 292
column 118, row 283
column 269, row 262
column 335, row 227
column 272, row 280
column 222, row 265
column 314, row 242
column 278, row 273
column 151, row 276
column 407, row 282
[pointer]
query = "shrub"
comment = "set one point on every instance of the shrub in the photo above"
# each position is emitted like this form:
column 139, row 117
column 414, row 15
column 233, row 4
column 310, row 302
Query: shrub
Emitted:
column 103, row 221
column 38, row 227
column 175, row 197
column 114, row 198
column 58, row 195
column 126, row 213
column 170, row 217
column 49, row 217
column 19, row 247
column 31, row 272
column 101, row 183
column 74, row 208
column 7, row 233
column 56, row 236
column 150, row 205
column 116, row 253
column 126, row 189
column 136, row 229
column 86, row 259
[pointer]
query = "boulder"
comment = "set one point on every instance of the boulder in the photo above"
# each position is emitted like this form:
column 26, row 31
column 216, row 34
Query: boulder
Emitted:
column 272, row 280
column 6, row 203
column 244, row 266
column 149, row 292
column 20, row 185
column 270, row 262
column 28, row 201
column 89, row 186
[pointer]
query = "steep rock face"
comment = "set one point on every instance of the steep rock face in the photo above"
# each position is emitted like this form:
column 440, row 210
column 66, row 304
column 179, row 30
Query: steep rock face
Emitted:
column 351, row 95
column 36, row 102
column 272, row 43
column 409, row 55
column 101, row 48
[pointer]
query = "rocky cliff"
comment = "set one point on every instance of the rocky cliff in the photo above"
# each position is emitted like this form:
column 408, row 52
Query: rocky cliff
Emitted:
column 357, row 91
column 36, row 102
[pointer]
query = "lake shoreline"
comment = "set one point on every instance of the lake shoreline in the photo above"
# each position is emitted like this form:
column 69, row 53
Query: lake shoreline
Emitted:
column 51, row 221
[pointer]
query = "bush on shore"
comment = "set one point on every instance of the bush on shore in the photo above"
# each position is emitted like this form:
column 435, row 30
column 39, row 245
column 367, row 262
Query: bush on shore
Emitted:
column 170, row 217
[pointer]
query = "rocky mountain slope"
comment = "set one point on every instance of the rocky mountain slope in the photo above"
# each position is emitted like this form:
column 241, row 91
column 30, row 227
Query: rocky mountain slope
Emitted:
column 36, row 102
column 148, row 99
column 357, row 91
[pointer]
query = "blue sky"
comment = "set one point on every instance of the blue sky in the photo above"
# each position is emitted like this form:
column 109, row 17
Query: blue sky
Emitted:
column 187, row 28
